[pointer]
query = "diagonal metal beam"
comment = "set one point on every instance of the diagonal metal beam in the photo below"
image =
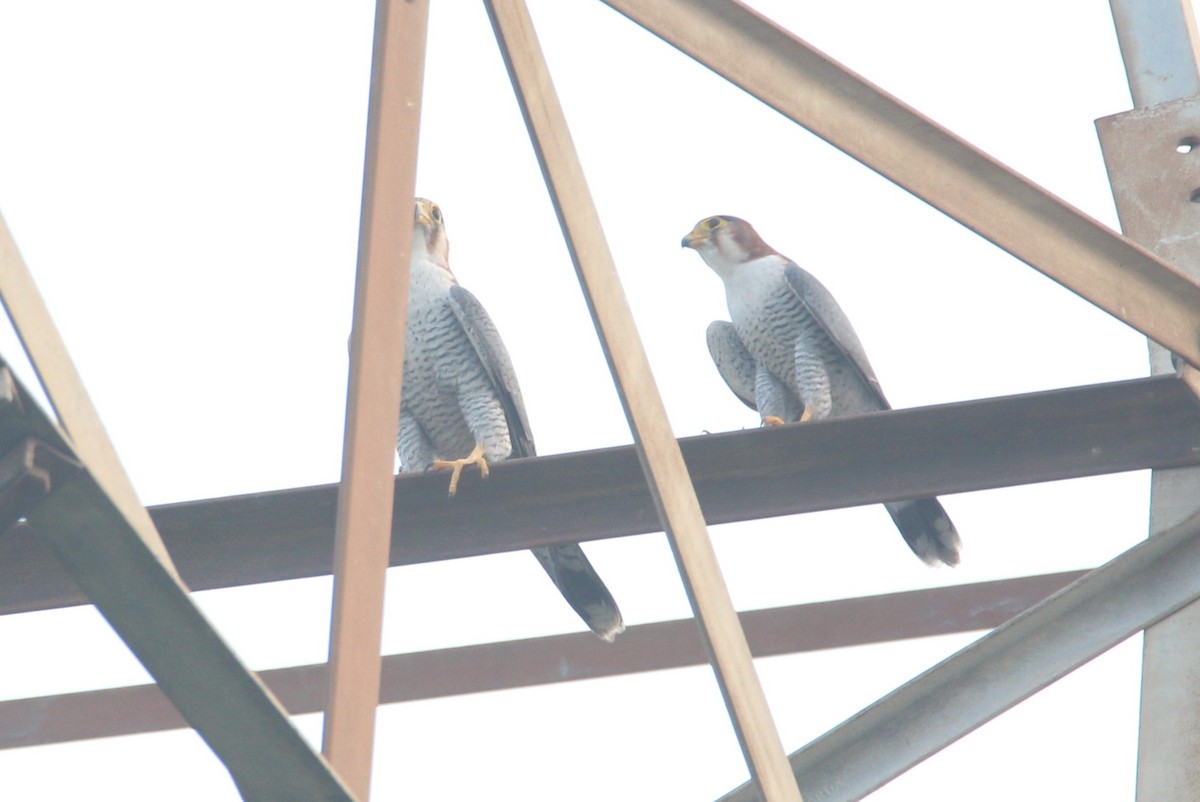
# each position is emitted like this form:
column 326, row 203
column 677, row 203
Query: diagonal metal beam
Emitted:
column 666, row 473
column 373, row 401
column 557, row 658
column 227, row 705
column 64, row 388
column 1114, row 273
column 1043, row 644
column 1058, row 434
column 154, row 615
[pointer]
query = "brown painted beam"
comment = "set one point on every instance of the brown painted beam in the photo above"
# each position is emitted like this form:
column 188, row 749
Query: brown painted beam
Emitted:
column 666, row 473
column 364, row 512
column 759, row 473
column 559, row 658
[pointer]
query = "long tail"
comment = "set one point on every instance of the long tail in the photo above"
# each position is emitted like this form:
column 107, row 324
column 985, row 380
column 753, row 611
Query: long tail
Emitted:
column 927, row 529
column 582, row 587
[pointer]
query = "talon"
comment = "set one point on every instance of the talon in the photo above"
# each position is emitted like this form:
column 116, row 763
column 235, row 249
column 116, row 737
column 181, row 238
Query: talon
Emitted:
column 772, row 420
column 457, row 465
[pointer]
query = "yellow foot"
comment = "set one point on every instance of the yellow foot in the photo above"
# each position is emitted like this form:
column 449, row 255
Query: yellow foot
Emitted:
column 807, row 415
column 456, row 465
column 772, row 420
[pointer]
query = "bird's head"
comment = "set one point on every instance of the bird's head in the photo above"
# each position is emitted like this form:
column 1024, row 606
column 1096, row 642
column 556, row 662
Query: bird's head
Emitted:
column 429, row 233
column 724, row 242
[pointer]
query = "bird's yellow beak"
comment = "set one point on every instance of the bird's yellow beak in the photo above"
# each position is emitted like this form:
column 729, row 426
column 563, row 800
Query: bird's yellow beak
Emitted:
column 695, row 236
column 423, row 219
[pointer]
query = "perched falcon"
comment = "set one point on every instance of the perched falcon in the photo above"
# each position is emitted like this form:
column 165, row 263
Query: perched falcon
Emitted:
column 461, row 404
column 791, row 354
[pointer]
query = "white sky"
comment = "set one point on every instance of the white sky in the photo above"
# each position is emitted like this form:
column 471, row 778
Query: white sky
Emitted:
column 184, row 183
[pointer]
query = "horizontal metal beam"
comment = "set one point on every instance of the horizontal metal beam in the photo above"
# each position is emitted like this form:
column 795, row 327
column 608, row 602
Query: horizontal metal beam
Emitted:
column 1115, row 273
column 560, row 658
column 1043, row 644
column 760, row 473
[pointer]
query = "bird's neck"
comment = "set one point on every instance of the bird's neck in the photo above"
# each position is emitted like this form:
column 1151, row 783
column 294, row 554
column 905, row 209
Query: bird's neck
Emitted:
column 749, row 271
column 753, row 283
column 428, row 277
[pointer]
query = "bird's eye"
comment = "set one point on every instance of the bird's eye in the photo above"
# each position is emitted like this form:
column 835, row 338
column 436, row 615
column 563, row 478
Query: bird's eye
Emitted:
column 436, row 214
column 713, row 222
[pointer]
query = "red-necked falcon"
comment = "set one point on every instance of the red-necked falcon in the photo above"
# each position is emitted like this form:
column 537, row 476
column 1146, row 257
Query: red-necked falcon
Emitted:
column 791, row 354
column 461, row 404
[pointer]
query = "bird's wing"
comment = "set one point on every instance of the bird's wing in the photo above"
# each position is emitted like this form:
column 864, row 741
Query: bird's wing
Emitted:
column 733, row 361
column 825, row 310
column 485, row 339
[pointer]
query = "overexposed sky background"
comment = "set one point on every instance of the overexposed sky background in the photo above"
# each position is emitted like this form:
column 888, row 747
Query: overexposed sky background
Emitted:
column 184, row 183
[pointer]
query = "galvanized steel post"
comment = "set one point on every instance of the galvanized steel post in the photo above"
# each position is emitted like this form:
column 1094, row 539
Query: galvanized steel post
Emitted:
column 1153, row 157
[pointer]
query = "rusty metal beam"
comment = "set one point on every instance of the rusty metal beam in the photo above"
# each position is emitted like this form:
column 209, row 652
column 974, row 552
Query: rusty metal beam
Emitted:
column 1058, row 434
column 559, row 658
column 1115, row 273
column 665, row 471
column 364, row 512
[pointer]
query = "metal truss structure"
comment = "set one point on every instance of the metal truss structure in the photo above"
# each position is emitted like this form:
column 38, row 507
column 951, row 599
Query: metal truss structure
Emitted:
column 77, row 534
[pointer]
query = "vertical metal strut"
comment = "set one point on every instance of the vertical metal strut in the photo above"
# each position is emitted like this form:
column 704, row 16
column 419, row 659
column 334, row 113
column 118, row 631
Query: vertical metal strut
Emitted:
column 373, row 403
column 1153, row 158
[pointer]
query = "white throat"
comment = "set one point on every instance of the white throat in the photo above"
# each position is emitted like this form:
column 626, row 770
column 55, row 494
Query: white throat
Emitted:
column 428, row 274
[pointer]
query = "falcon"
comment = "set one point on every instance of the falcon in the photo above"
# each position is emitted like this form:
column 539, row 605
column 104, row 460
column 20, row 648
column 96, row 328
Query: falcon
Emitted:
column 791, row 354
column 461, row 404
